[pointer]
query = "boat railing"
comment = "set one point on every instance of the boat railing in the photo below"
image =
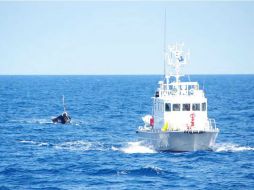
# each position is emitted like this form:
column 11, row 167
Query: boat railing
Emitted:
column 210, row 126
column 173, row 92
column 182, row 88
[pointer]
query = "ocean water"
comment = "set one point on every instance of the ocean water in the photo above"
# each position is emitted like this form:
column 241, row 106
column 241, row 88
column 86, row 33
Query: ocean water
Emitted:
column 100, row 150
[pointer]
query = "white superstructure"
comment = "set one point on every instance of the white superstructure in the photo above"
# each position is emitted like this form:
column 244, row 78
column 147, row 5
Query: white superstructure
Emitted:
column 179, row 105
column 179, row 119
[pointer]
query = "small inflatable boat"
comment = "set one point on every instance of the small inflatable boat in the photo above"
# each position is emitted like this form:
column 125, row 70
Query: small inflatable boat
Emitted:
column 64, row 118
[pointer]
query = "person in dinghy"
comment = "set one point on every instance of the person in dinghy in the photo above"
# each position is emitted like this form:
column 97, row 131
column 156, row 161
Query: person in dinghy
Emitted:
column 64, row 118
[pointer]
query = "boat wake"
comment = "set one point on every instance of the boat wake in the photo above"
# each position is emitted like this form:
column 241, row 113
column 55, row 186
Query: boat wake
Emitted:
column 45, row 122
column 81, row 146
column 135, row 148
column 32, row 121
column 70, row 145
column 229, row 147
column 35, row 143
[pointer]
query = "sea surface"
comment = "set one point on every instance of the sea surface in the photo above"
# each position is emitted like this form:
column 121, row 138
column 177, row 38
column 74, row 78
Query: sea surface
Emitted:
column 100, row 149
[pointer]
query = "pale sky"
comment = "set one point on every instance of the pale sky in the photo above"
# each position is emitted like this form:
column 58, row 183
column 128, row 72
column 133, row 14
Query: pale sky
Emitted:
column 124, row 37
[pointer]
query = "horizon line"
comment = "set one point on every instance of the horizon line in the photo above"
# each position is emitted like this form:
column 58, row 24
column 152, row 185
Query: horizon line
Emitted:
column 118, row 74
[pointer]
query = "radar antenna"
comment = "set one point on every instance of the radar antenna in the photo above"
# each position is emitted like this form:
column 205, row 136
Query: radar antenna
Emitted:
column 176, row 57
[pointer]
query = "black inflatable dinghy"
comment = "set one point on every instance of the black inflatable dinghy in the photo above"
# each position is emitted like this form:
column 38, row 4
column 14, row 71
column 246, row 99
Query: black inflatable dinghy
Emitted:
column 64, row 118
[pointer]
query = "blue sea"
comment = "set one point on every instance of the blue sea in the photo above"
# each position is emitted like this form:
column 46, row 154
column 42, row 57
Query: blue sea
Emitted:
column 100, row 149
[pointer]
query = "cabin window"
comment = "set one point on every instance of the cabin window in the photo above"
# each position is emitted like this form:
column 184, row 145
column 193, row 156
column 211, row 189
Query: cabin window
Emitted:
column 176, row 107
column 186, row 107
column 195, row 107
column 167, row 107
column 204, row 106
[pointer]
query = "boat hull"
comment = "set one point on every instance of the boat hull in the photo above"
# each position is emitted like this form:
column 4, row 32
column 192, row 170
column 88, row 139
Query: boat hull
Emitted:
column 179, row 141
column 62, row 119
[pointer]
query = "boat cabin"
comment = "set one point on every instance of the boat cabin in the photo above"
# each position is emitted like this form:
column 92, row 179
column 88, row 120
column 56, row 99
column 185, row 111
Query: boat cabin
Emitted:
column 182, row 106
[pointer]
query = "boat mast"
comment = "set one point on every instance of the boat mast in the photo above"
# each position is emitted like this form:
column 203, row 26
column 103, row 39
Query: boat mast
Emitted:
column 165, row 31
column 64, row 105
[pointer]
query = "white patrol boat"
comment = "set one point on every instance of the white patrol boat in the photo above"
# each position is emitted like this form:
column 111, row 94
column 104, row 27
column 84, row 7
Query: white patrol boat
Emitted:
column 179, row 120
